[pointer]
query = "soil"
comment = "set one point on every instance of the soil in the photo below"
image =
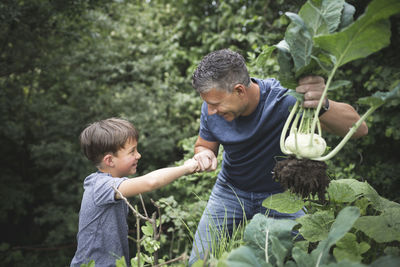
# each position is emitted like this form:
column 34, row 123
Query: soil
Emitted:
column 303, row 176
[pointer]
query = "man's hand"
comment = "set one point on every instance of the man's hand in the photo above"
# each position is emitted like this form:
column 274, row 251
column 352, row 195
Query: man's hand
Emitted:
column 192, row 165
column 206, row 160
column 312, row 87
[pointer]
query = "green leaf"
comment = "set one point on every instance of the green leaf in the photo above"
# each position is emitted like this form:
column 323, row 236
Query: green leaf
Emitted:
column 343, row 223
column 147, row 229
column 348, row 248
column 340, row 191
column 265, row 55
column 380, row 98
column 338, row 84
column 285, row 202
column 280, row 237
column 286, row 65
column 120, row 262
column 302, row 258
column 370, row 33
column 382, row 228
column 387, row 261
column 315, row 227
column 347, row 16
column 244, row 256
column 322, row 17
column 299, row 40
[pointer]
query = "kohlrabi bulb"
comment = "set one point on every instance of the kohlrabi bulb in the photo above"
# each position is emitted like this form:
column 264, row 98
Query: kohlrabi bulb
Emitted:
column 304, row 148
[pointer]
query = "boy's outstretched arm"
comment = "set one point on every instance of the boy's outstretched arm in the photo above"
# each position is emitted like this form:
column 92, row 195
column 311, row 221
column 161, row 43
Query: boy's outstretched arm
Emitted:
column 155, row 179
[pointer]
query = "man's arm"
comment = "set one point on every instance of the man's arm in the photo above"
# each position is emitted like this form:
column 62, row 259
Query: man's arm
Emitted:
column 339, row 118
column 206, row 154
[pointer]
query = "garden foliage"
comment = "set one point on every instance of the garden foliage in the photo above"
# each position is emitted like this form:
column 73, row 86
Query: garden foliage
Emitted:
column 64, row 64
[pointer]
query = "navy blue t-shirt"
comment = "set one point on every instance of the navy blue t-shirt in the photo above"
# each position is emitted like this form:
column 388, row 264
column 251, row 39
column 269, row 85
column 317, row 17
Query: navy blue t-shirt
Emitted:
column 251, row 143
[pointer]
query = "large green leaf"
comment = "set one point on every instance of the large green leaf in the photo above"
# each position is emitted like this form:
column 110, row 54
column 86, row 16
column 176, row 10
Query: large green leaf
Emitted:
column 299, row 40
column 244, row 256
column 315, row 227
column 322, row 17
column 343, row 223
column 347, row 16
column 285, row 202
column 286, row 65
column 382, row 228
column 279, row 233
column 339, row 191
column 349, row 248
column 387, row 261
column 370, row 33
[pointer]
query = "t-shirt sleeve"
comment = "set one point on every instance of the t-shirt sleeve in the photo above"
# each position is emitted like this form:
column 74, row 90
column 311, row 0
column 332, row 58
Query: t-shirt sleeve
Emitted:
column 103, row 191
column 204, row 131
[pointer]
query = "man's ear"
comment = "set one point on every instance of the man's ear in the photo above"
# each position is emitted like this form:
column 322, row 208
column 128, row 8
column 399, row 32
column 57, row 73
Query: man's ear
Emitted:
column 239, row 89
column 108, row 160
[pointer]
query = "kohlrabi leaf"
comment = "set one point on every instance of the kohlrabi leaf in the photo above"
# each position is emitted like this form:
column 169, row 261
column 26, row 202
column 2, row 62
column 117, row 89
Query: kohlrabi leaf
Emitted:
column 379, row 98
column 286, row 65
column 299, row 96
column 370, row 33
column 322, row 17
column 347, row 16
column 299, row 40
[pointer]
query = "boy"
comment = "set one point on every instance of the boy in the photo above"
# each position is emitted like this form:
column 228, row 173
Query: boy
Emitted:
column 111, row 145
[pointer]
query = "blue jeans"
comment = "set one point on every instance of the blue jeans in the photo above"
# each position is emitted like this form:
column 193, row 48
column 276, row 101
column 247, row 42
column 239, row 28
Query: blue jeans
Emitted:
column 227, row 208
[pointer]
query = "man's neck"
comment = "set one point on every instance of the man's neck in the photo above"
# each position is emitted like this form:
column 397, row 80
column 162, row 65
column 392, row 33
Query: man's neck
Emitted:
column 254, row 98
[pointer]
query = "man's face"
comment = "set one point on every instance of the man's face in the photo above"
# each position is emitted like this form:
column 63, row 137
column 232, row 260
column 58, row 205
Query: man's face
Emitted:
column 227, row 105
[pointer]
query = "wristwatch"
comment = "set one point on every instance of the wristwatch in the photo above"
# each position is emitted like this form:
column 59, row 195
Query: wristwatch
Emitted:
column 324, row 108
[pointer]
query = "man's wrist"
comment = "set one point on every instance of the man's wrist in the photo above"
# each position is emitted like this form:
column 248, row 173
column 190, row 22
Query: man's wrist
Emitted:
column 324, row 108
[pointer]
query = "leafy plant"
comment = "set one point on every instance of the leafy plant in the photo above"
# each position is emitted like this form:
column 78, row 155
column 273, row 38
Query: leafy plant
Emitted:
column 376, row 232
column 340, row 234
column 321, row 38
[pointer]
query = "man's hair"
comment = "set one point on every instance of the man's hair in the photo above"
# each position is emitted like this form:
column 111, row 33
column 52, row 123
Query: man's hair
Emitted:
column 220, row 70
column 106, row 136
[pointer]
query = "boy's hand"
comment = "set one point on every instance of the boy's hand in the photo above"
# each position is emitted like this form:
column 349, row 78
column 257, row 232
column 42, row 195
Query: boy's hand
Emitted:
column 192, row 165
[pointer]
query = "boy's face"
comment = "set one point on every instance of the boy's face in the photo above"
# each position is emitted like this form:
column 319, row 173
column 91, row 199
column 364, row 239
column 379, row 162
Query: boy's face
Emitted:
column 126, row 159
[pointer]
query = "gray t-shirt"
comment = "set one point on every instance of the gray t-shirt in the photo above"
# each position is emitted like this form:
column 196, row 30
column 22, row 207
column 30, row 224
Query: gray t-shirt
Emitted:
column 103, row 227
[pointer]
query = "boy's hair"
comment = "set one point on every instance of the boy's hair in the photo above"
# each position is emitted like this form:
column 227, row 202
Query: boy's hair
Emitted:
column 106, row 136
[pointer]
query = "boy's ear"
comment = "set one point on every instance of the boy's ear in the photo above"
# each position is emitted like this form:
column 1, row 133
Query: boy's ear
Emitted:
column 108, row 160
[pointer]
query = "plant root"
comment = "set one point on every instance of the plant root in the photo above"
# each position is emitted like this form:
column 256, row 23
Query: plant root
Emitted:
column 304, row 177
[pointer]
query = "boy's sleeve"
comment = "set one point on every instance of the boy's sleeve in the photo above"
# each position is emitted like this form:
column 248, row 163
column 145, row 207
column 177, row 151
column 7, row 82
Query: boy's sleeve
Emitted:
column 204, row 131
column 103, row 191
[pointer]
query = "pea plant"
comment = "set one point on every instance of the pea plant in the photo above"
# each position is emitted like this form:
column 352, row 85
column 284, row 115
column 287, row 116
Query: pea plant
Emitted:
column 321, row 38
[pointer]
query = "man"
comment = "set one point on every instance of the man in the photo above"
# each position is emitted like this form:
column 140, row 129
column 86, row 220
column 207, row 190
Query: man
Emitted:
column 246, row 115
